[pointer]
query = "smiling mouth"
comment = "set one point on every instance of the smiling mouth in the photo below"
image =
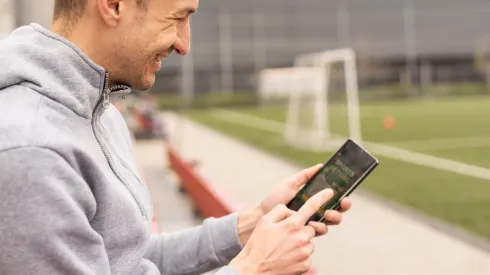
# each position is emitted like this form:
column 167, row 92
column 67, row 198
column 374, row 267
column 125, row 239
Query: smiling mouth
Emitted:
column 159, row 57
column 163, row 55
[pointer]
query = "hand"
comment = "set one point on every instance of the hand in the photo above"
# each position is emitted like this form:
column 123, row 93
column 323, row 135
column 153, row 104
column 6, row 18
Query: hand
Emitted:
column 281, row 243
column 287, row 190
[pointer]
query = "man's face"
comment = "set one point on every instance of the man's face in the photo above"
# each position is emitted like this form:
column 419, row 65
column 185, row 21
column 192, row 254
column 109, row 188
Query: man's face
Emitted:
column 144, row 37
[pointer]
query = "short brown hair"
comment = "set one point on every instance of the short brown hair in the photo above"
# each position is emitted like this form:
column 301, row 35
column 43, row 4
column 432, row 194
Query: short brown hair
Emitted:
column 74, row 8
column 69, row 8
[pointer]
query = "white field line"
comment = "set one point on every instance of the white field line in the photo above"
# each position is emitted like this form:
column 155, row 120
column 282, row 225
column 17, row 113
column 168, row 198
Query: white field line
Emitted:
column 248, row 120
column 444, row 143
column 377, row 149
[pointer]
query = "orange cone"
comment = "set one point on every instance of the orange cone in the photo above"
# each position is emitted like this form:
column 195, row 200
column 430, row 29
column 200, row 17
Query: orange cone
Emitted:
column 389, row 123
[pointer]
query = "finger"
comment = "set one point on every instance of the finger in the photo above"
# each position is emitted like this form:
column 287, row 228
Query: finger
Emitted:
column 306, row 251
column 311, row 248
column 310, row 271
column 320, row 228
column 309, row 232
column 311, row 206
column 304, row 266
column 278, row 213
column 345, row 205
column 332, row 217
column 302, row 177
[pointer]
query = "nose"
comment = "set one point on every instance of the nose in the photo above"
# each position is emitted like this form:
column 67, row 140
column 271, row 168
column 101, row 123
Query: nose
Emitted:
column 182, row 43
column 181, row 46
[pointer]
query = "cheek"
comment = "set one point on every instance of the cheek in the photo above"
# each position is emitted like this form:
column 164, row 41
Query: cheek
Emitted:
column 168, row 36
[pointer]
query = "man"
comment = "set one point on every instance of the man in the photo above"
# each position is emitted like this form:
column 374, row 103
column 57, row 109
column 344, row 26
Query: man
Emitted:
column 71, row 199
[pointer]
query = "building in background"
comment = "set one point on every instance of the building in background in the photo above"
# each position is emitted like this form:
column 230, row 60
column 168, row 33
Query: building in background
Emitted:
column 438, row 40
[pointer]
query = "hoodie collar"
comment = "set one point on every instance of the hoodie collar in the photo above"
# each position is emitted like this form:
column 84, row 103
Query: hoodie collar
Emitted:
column 58, row 69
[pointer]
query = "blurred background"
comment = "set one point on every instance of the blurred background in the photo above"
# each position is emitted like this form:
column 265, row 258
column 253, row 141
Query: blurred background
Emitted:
column 419, row 43
column 422, row 75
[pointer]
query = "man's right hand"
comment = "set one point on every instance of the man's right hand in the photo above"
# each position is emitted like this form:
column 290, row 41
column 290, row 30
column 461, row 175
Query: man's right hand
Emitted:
column 281, row 243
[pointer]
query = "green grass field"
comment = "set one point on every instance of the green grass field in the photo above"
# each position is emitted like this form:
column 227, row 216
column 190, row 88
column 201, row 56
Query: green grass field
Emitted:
column 452, row 128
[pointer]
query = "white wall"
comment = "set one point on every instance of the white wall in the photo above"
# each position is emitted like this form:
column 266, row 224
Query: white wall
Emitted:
column 34, row 11
column 7, row 18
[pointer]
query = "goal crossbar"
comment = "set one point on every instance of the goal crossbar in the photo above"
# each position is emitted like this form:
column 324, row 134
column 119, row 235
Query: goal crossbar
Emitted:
column 325, row 57
column 280, row 82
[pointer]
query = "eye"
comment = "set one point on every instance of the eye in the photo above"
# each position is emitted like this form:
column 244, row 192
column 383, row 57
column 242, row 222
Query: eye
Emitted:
column 183, row 19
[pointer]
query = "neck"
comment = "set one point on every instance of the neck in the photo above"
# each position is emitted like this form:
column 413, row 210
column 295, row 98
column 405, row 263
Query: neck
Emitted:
column 88, row 37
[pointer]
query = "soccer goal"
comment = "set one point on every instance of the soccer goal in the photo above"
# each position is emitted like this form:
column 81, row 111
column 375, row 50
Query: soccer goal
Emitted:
column 311, row 110
column 275, row 84
column 305, row 88
column 306, row 122
column 302, row 89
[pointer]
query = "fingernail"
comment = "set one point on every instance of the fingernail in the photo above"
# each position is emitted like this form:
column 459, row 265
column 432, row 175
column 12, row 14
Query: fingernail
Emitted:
column 328, row 214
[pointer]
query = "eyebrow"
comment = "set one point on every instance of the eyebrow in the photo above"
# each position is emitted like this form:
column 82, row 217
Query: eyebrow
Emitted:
column 188, row 10
column 185, row 11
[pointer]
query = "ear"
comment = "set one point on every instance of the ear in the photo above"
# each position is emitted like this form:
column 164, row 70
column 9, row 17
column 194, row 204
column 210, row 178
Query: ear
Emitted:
column 111, row 11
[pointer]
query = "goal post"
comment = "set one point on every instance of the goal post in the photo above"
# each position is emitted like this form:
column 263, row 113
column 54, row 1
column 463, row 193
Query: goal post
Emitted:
column 305, row 88
column 306, row 124
column 325, row 60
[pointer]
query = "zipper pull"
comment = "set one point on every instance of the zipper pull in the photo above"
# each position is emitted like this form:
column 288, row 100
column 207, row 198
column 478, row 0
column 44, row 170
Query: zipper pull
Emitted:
column 107, row 99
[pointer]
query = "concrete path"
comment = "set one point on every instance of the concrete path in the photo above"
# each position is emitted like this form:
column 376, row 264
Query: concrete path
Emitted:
column 373, row 240
column 172, row 209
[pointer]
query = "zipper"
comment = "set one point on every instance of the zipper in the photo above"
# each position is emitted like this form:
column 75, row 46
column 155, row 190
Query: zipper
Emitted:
column 104, row 103
column 123, row 162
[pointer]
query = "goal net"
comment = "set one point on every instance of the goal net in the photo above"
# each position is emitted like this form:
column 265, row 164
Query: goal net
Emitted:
column 306, row 88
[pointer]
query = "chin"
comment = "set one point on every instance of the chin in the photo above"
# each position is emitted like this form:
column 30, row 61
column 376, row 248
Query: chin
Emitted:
column 145, row 83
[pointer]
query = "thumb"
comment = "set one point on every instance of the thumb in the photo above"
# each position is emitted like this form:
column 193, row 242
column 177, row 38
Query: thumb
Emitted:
column 279, row 213
column 303, row 176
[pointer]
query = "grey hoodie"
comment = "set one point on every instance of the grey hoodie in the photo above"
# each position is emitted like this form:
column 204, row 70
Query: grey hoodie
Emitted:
column 71, row 198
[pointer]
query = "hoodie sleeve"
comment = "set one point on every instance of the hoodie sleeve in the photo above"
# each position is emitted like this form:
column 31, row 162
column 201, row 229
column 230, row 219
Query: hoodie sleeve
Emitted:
column 44, row 210
column 197, row 250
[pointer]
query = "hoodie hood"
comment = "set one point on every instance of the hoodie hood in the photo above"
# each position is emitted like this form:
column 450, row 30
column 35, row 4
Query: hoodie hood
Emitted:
column 48, row 63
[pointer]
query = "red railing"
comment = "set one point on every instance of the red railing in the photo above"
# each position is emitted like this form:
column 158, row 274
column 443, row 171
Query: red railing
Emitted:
column 207, row 200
